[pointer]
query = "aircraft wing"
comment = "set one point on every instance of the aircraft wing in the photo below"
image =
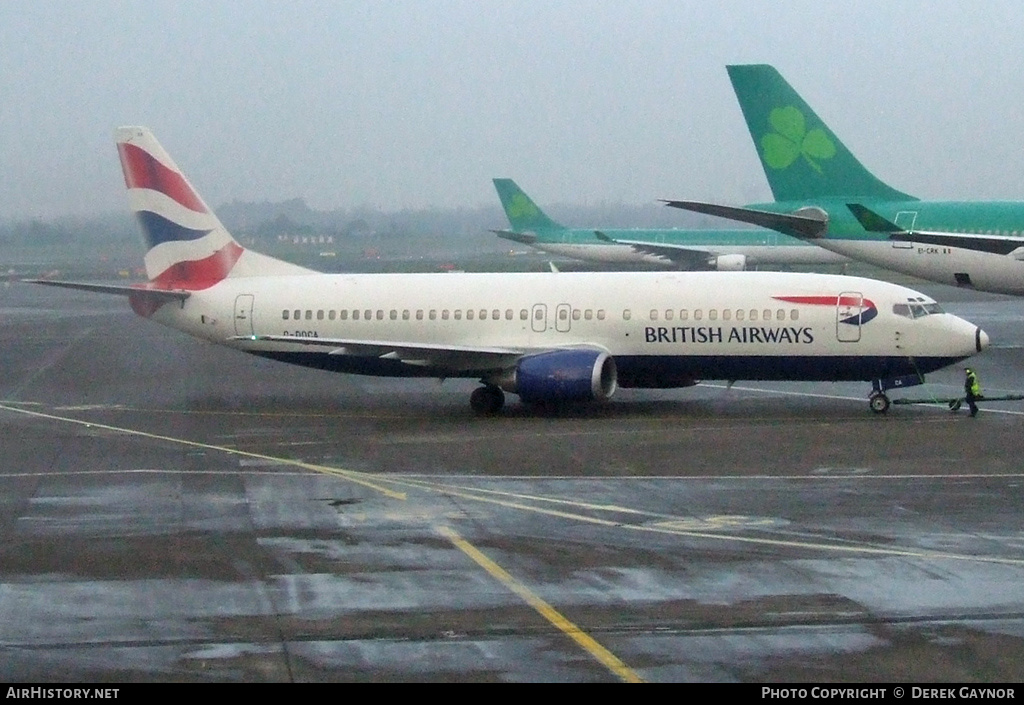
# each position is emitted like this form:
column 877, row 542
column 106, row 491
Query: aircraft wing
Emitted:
column 685, row 257
column 809, row 224
column 454, row 358
column 525, row 238
column 994, row 244
column 160, row 295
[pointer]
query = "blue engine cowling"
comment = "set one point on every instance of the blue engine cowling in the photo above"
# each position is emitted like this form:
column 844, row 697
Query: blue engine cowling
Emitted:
column 577, row 374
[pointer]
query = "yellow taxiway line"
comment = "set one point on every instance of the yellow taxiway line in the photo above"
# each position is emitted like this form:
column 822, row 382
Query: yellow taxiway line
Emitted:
column 585, row 641
column 350, row 475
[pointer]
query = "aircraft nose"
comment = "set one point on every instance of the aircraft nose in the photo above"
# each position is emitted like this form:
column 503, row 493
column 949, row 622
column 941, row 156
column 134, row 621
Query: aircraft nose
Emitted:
column 980, row 339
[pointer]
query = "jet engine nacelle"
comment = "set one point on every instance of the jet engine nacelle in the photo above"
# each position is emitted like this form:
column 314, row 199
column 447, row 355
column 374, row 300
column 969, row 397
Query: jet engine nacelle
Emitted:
column 575, row 374
column 731, row 263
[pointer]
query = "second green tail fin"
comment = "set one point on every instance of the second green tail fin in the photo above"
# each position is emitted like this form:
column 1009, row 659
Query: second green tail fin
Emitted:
column 800, row 155
column 523, row 213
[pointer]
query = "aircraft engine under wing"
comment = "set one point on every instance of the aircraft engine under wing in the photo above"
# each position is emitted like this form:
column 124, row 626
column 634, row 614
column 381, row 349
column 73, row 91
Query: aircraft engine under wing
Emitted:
column 578, row 374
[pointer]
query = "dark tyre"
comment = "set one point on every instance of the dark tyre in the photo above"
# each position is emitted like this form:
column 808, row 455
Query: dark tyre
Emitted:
column 487, row 400
column 879, row 403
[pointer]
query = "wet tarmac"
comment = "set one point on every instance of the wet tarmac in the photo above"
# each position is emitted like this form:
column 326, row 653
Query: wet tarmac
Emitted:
column 175, row 511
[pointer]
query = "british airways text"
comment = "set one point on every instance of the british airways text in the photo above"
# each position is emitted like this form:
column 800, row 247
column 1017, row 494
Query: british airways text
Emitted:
column 716, row 334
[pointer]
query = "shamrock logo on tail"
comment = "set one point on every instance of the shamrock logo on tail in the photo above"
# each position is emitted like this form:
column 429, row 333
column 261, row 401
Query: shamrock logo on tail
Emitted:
column 791, row 139
column 521, row 207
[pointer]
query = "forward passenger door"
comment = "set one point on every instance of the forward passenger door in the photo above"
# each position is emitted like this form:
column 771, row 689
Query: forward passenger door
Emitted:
column 849, row 307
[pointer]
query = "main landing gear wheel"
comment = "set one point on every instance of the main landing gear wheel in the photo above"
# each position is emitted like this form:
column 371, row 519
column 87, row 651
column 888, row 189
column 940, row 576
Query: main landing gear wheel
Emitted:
column 879, row 403
column 487, row 400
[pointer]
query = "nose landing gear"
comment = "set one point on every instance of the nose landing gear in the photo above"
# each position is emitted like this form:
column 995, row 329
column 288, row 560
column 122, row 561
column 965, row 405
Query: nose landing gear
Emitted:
column 878, row 401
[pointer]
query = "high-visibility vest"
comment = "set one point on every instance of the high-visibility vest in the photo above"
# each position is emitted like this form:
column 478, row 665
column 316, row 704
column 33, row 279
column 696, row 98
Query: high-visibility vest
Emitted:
column 972, row 384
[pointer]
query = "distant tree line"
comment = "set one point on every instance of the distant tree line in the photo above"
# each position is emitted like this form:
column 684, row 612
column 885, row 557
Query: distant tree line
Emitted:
column 458, row 228
column 118, row 228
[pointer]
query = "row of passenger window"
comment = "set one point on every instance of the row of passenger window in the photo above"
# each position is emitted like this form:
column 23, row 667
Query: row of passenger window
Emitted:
column 433, row 314
column 1003, row 233
column 726, row 314
column 563, row 313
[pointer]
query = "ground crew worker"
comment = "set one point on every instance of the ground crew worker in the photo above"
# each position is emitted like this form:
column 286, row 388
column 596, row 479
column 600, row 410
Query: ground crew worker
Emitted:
column 972, row 390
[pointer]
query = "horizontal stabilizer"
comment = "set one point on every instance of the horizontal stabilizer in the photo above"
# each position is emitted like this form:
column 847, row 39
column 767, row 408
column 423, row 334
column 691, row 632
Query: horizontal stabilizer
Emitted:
column 156, row 294
column 993, row 244
column 871, row 221
column 525, row 238
column 802, row 226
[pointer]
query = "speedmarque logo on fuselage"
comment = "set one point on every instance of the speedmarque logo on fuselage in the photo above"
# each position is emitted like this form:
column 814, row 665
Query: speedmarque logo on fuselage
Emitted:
column 752, row 334
column 867, row 309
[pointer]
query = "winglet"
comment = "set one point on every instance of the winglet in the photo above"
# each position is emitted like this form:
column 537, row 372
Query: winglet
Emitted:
column 871, row 221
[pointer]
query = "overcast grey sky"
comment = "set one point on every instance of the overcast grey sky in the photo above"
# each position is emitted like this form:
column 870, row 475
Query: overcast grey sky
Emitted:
column 397, row 103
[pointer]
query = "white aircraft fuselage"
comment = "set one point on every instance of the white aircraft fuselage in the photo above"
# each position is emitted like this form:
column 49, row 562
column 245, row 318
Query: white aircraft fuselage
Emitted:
column 955, row 266
column 661, row 329
column 548, row 337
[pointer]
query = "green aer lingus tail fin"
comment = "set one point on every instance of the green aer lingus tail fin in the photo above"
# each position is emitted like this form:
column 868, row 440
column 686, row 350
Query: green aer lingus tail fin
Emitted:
column 522, row 212
column 801, row 156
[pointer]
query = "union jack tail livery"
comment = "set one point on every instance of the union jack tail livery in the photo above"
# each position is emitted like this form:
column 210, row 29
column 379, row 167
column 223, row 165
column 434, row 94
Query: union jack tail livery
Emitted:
column 188, row 247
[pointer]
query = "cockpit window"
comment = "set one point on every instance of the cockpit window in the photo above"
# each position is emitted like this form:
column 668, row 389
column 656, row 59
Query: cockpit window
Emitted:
column 916, row 310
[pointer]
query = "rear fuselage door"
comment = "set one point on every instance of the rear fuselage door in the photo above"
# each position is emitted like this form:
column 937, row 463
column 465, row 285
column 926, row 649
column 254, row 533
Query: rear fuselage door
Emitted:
column 905, row 220
column 849, row 307
column 243, row 315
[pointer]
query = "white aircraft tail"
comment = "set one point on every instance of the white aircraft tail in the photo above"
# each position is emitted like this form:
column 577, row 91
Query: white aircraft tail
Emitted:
column 188, row 247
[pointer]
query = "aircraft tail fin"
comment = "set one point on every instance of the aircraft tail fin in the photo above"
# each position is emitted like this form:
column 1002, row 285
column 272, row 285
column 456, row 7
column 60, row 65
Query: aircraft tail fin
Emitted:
column 187, row 245
column 522, row 212
column 801, row 156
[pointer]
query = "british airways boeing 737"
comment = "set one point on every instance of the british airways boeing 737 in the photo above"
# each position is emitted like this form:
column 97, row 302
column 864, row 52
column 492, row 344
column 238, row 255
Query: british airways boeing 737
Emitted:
column 547, row 337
